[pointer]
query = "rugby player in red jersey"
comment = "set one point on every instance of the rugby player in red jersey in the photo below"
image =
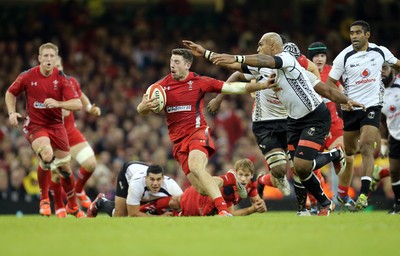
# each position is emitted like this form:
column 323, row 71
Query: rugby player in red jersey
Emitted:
column 48, row 91
column 187, row 126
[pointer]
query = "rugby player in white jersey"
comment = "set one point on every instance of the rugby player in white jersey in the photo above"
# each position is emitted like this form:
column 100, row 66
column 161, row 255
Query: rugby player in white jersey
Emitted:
column 137, row 183
column 390, row 130
column 308, row 117
column 358, row 67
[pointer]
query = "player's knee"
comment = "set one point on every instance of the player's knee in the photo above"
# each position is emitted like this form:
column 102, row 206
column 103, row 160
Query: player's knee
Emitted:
column 277, row 162
column 45, row 154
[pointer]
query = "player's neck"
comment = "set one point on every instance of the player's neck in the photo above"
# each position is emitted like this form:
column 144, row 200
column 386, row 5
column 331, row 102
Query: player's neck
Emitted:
column 45, row 72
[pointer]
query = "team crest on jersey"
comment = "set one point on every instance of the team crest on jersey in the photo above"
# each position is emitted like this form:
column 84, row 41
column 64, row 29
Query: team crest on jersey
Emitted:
column 371, row 115
column 311, row 131
column 55, row 83
column 190, row 83
column 392, row 108
column 33, row 83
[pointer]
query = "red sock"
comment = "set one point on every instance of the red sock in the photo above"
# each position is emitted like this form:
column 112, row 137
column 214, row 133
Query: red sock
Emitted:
column 229, row 179
column 44, row 177
column 384, row 173
column 83, row 176
column 343, row 191
column 220, row 203
column 265, row 180
column 56, row 191
column 69, row 187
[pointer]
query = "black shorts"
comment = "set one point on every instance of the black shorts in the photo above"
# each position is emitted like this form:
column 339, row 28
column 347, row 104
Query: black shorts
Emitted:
column 122, row 182
column 354, row 120
column 394, row 148
column 271, row 134
column 306, row 136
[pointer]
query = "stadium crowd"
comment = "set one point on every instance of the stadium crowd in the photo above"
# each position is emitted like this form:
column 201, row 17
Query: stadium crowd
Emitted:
column 117, row 51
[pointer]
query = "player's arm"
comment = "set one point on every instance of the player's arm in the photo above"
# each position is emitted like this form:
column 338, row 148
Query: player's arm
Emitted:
column 134, row 211
column 257, row 205
column 214, row 104
column 335, row 95
column 199, row 51
column 384, row 131
column 313, row 68
column 255, row 60
column 13, row 115
column 147, row 105
column 71, row 105
column 89, row 107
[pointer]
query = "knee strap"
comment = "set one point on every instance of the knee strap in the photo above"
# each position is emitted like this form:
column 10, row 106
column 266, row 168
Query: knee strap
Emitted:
column 276, row 158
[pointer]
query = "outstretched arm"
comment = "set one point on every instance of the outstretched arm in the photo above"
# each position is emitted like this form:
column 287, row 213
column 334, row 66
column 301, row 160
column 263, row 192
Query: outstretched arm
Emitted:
column 198, row 51
column 255, row 60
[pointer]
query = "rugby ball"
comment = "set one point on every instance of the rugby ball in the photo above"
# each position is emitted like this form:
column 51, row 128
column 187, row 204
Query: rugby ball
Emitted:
column 157, row 91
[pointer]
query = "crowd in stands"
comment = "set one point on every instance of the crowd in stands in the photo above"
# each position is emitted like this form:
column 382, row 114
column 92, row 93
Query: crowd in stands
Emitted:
column 117, row 51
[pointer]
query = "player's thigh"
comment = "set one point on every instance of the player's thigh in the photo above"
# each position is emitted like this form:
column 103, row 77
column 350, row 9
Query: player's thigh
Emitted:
column 120, row 207
column 351, row 141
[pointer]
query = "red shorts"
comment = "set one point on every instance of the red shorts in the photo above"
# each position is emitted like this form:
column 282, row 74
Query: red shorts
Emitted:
column 57, row 135
column 194, row 204
column 200, row 140
column 75, row 137
column 335, row 132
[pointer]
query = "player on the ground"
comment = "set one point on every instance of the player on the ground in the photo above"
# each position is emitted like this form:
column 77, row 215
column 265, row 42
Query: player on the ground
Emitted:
column 48, row 91
column 359, row 68
column 137, row 184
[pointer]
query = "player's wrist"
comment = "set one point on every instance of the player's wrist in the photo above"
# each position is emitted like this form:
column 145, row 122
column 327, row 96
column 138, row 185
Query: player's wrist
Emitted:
column 240, row 58
column 88, row 107
column 11, row 112
column 208, row 54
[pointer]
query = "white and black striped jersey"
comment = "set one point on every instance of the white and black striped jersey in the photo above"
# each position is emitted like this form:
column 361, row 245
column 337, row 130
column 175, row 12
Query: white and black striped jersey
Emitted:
column 137, row 192
column 361, row 73
column 391, row 108
column 295, row 89
column 267, row 105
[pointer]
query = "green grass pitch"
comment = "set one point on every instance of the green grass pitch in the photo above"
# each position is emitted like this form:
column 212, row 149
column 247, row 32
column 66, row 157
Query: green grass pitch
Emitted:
column 272, row 233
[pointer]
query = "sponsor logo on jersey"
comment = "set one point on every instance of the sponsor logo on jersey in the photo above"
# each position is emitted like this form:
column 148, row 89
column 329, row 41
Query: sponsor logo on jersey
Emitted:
column 354, row 65
column 179, row 108
column 366, row 73
column 33, row 83
column 392, row 108
column 37, row 104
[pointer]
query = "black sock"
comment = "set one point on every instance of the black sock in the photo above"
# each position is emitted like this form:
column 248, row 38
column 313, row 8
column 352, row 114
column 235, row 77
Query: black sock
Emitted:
column 396, row 191
column 314, row 187
column 301, row 195
column 323, row 158
column 106, row 205
column 365, row 183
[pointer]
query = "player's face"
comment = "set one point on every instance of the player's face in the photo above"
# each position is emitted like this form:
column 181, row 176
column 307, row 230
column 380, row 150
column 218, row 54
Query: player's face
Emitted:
column 358, row 38
column 154, row 182
column 320, row 61
column 386, row 73
column 264, row 47
column 244, row 176
column 47, row 59
column 179, row 67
